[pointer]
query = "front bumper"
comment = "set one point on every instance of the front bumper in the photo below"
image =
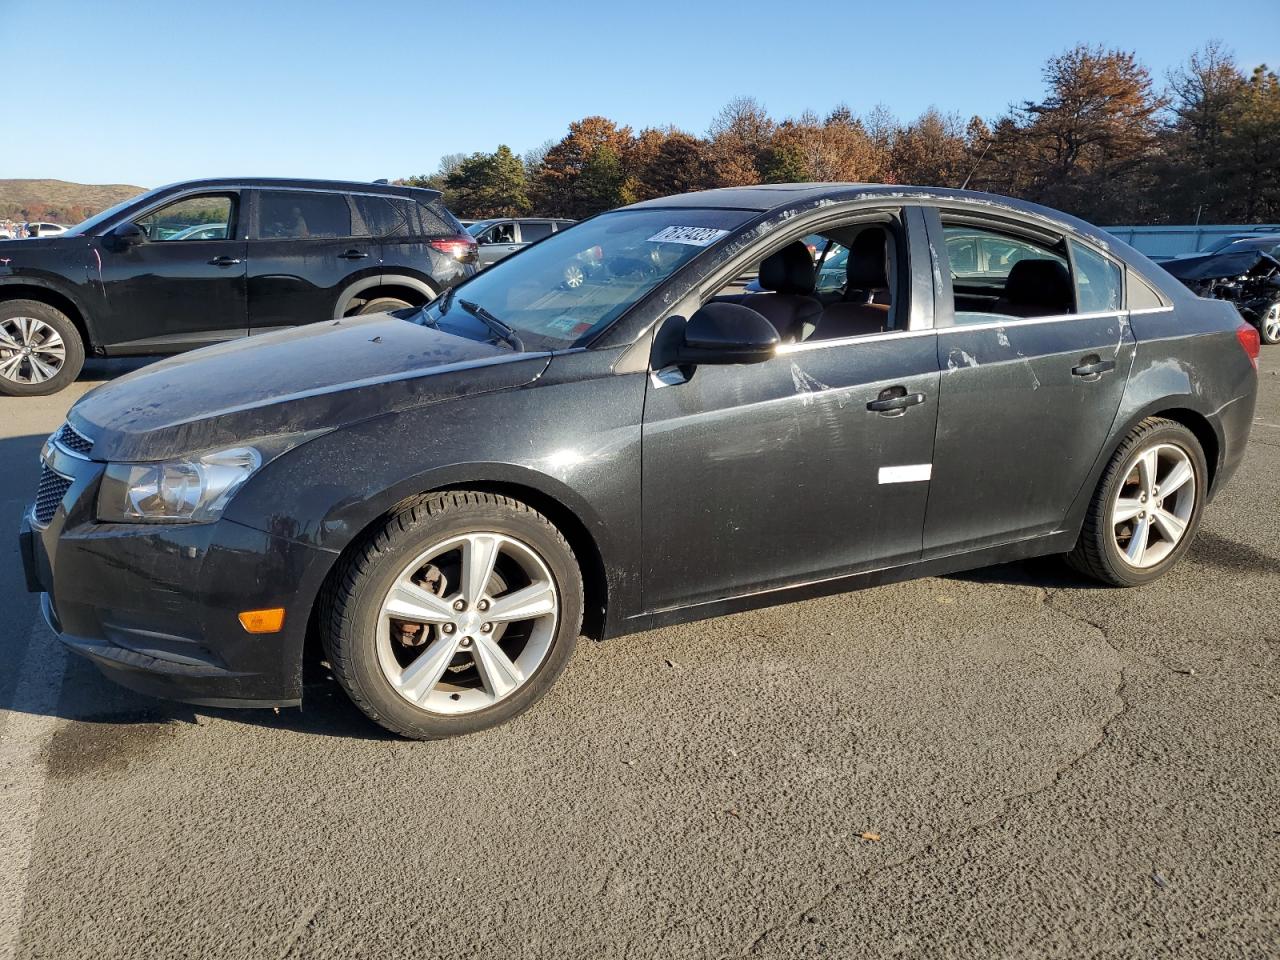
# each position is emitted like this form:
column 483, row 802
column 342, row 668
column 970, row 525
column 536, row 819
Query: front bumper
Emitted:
column 156, row 607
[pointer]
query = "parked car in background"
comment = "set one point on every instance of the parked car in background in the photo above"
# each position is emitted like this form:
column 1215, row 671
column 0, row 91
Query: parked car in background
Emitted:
column 45, row 229
column 448, row 497
column 204, row 261
column 502, row 237
column 1244, row 271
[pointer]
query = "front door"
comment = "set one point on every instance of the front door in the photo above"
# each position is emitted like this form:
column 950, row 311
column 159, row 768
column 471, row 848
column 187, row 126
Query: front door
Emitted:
column 302, row 256
column 779, row 473
column 497, row 242
column 1032, row 378
column 183, row 286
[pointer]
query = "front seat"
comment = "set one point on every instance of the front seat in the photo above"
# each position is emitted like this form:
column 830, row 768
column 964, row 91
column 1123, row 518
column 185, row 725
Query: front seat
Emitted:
column 865, row 307
column 1036, row 288
column 790, row 277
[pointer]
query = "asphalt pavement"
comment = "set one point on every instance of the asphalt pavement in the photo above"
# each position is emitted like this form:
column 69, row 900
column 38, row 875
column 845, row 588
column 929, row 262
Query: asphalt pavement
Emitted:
column 1007, row 763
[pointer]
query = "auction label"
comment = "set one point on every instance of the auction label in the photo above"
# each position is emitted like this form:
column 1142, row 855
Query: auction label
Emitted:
column 693, row 236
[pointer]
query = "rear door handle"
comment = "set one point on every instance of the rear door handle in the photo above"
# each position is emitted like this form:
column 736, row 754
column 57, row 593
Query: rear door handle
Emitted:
column 1092, row 367
column 893, row 401
column 352, row 255
column 223, row 262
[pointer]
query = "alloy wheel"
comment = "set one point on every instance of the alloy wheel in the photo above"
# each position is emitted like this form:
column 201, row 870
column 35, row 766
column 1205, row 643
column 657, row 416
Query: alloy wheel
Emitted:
column 467, row 623
column 31, row 351
column 1153, row 506
column 1271, row 323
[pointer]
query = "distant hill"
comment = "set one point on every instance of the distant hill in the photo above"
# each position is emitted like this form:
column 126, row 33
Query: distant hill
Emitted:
column 59, row 200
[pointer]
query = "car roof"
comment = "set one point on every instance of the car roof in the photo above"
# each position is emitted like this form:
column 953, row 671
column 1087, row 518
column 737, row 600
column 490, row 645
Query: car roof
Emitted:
column 352, row 186
column 766, row 198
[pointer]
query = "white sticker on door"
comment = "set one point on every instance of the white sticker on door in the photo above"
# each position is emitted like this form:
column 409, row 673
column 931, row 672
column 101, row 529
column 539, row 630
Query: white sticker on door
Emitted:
column 908, row 473
column 693, row 236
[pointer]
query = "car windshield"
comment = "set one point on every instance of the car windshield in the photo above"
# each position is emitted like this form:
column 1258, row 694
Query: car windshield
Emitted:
column 85, row 226
column 477, row 228
column 565, row 289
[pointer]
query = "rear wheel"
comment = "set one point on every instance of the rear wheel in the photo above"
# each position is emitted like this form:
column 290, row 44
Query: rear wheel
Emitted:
column 457, row 615
column 40, row 349
column 1269, row 328
column 1147, row 507
column 381, row 305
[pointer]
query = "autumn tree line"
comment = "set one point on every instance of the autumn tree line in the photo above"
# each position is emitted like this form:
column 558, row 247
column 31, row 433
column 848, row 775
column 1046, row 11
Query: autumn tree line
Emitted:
column 1105, row 142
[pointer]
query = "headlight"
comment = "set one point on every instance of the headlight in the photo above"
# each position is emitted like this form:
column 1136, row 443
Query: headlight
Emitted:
column 191, row 490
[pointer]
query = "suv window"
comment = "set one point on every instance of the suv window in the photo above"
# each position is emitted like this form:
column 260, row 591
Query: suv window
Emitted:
column 1099, row 284
column 207, row 217
column 386, row 216
column 301, row 215
column 534, row 230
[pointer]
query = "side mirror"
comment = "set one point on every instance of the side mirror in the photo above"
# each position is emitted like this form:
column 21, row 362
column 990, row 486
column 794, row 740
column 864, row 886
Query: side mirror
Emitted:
column 727, row 333
column 129, row 234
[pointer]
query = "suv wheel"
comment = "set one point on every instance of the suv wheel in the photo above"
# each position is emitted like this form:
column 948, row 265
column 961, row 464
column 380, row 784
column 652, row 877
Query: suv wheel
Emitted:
column 379, row 305
column 40, row 349
column 1147, row 507
column 456, row 615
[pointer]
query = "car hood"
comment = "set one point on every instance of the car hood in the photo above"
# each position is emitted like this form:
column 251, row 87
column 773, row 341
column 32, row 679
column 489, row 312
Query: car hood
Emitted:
column 1208, row 266
column 308, row 379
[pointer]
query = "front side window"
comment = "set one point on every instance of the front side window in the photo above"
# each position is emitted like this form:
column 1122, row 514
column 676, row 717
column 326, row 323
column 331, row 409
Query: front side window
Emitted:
column 1099, row 282
column 996, row 275
column 500, row 233
column 191, row 218
column 302, row 215
column 573, row 285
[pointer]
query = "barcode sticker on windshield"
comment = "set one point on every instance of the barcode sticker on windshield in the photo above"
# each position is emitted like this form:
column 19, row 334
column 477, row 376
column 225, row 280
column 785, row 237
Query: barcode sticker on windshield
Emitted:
column 694, row 236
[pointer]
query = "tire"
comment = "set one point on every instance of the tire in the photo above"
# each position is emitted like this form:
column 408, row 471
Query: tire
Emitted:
column 380, row 305
column 366, row 644
column 1104, row 551
column 29, row 331
column 1269, row 325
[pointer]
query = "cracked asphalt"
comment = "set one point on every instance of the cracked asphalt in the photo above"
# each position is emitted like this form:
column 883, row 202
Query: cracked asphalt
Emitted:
column 1051, row 770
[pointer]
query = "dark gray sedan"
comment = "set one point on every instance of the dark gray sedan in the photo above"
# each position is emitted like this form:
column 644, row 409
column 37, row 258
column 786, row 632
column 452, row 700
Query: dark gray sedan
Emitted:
column 444, row 500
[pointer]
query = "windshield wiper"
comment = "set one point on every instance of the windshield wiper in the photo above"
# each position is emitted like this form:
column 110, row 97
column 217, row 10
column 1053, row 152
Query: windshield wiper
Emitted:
column 503, row 330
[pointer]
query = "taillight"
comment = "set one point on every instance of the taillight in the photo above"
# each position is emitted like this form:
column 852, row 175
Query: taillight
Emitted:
column 1248, row 336
column 462, row 248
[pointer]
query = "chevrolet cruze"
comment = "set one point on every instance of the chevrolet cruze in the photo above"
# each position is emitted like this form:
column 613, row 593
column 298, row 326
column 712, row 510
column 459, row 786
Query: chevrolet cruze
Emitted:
column 442, row 499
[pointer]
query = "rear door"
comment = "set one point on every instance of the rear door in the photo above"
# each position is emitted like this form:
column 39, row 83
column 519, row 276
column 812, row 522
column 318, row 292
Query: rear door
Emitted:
column 304, row 251
column 184, row 286
column 1025, row 401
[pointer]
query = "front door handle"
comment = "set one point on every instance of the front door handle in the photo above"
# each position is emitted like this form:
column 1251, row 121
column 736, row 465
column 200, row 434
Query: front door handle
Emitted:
column 893, row 401
column 353, row 255
column 1092, row 367
column 223, row 262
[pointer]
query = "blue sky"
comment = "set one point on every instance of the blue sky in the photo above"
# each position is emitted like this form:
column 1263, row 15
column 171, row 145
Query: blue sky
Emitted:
column 150, row 92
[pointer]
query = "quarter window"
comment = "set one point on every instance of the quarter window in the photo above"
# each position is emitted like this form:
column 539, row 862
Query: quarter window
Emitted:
column 192, row 218
column 1099, row 283
column 302, row 215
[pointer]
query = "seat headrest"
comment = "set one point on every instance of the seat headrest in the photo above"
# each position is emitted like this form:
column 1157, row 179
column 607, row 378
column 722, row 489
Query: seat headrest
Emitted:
column 867, row 267
column 1039, row 283
column 790, row 270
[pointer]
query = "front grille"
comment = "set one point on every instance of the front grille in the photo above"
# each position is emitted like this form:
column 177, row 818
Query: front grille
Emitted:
column 53, row 487
column 75, row 442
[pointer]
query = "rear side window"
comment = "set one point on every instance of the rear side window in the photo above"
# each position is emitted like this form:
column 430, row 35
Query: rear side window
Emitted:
column 302, row 215
column 1099, row 282
column 438, row 221
column 533, row 230
column 996, row 275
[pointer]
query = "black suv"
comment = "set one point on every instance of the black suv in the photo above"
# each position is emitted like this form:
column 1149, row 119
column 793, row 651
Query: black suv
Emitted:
column 204, row 261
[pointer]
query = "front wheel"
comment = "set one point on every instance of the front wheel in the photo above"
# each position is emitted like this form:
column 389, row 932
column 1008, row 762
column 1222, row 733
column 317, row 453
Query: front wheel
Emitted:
column 1147, row 507
column 456, row 615
column 1269, row 328
column 40, row 349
